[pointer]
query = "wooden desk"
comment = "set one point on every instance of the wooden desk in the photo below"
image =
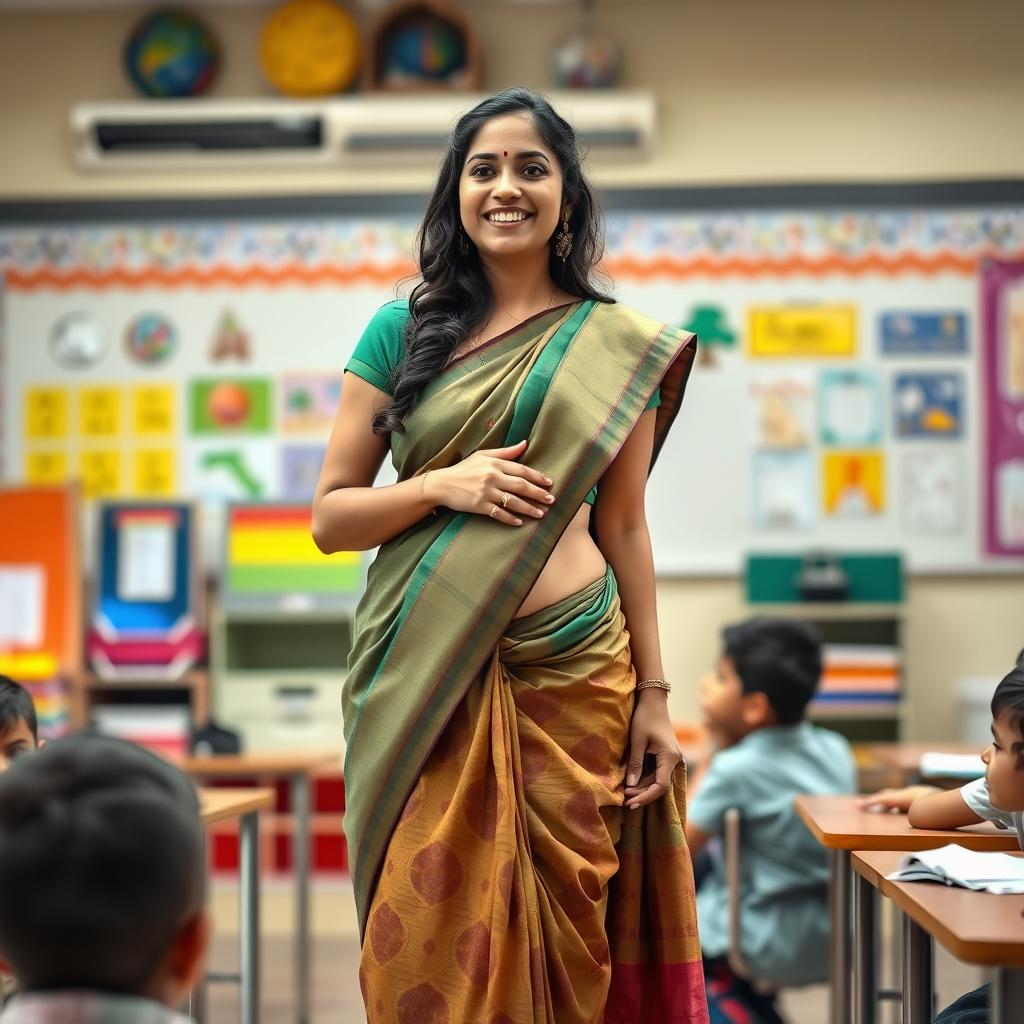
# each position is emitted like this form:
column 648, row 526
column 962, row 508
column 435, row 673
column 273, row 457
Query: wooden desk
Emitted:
column 905, row 758
column 298, row 767
column 245, row 804
column 975, row 927
column 841, row 827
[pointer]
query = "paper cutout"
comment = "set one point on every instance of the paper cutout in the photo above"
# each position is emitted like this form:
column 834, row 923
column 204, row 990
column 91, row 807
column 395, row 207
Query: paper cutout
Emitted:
column 931, row 492
column 45, row 468
column 153, row 410
column 230, row 341
column 782, row 405
column 46, row 414
column 851, row 408
column 100, row 412
column 153, row 472
column 308, row 402
column 22, row 606
column 928, row 405
column 923, row 333
column 802, row 332
column 233, row 464
column 853, row 484
column 239, row 405
column 783, row 490
column 77, row 342
column 710, row 324
column 101, row 473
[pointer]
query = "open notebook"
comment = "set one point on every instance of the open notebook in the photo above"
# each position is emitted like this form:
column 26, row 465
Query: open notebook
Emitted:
column 953, row 865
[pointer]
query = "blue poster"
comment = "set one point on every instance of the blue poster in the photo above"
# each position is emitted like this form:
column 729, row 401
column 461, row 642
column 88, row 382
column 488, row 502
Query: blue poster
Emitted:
column 928, row 405
column 903, row 334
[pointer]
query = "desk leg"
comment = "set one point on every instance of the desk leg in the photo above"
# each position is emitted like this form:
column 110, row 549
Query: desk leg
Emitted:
column 1007, row 995
column 249, row 917
column 839, row 948
column 917, row 973
column 300, row 857
column 865, row 992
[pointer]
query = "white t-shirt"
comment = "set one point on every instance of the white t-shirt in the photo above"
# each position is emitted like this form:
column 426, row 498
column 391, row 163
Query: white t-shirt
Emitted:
column 975, row 795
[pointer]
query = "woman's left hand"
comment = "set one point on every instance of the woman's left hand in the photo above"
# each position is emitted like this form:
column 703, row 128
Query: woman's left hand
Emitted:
column 651, row 733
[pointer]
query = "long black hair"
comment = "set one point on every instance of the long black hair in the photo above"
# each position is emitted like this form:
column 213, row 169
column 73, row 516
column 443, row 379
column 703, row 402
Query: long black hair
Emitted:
column 454, row 297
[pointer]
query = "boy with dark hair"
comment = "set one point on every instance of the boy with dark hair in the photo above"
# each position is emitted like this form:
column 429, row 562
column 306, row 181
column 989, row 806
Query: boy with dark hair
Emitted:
column 101, row 869
column 18, row 728
column 765, row 755
column 998, row 797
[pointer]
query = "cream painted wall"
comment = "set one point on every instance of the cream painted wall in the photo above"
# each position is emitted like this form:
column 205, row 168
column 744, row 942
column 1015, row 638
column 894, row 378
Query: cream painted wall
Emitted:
column 748, row 92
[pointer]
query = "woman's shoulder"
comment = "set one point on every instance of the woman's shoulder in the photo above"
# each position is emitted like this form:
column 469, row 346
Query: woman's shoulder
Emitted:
column 391, row 314
column 633, row 322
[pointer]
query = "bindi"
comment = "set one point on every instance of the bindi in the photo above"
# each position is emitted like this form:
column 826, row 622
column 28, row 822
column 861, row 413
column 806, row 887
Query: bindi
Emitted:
column 504, row 152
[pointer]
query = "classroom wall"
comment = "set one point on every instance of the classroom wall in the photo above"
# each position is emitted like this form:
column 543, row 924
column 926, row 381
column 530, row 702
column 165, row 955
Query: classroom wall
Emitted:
column 748, row 92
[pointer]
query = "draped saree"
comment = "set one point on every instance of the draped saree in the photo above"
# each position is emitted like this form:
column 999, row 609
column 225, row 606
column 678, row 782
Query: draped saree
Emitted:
column 497, row 877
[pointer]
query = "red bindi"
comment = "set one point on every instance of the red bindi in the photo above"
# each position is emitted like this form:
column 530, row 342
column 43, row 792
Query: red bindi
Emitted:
column 505, row 153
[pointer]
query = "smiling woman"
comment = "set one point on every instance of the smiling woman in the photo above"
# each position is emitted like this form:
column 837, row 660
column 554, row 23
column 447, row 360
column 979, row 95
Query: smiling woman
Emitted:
column 506, row 835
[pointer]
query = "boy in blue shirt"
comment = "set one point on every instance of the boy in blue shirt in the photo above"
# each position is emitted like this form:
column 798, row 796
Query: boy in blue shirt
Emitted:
column 753, row 705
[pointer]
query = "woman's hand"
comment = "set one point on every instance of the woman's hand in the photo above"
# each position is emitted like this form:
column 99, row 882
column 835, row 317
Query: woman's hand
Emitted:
column 480, row 483
column 894, row 800
column 651, row 733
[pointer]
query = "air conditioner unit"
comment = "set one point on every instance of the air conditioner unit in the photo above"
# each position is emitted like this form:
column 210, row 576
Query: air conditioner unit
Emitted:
column 357, row 131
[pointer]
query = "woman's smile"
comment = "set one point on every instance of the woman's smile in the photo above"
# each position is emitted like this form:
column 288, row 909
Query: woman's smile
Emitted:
column 507, row 218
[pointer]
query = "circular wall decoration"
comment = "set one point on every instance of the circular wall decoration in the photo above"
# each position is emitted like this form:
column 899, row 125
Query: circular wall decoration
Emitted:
column 77, row 342
column 310, row 48
column 150, row 339
column 171, row 54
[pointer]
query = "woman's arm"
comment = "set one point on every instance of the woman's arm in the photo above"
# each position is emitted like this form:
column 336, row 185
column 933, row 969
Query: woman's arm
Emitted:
column 621, row 526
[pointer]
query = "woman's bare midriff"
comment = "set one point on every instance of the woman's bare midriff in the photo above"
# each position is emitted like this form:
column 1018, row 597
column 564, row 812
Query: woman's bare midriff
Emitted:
column 575, row 563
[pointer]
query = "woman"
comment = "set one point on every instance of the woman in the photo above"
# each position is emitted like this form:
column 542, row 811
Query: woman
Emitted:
column 492, row 688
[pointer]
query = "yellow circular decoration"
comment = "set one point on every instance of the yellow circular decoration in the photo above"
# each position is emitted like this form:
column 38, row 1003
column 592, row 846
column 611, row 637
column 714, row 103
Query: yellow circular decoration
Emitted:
column 310, row 48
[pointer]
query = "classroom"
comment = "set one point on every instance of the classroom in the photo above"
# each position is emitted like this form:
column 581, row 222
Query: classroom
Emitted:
column 726, row 303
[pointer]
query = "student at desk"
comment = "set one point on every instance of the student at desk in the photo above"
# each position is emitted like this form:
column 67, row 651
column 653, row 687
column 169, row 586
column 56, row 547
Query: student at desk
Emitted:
column 998, row 797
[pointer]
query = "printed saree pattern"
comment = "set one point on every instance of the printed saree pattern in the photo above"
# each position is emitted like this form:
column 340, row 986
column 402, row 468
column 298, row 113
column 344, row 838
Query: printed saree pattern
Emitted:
column 485, row 891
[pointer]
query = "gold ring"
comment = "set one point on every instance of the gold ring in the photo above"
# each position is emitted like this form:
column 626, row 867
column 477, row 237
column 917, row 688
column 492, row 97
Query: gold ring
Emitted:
column 494, row 511
column 505, row 499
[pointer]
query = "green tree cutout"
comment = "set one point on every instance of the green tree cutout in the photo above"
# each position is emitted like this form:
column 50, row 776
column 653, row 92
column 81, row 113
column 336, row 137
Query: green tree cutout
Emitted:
column 710, row 325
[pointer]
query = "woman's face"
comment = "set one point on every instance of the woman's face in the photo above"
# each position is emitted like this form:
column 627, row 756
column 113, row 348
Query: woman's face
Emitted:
column 510, row 191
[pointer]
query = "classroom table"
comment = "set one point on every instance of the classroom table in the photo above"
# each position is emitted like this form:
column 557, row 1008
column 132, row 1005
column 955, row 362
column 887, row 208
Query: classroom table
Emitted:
column 841, row 827
column 976, row 927
column 905, row 758
column 244, row 804
column 298, row 767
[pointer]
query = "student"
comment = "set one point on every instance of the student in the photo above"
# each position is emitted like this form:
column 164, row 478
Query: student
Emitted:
column 998, row 797
column 101, row 868
column 18, row 728
column 753, row 705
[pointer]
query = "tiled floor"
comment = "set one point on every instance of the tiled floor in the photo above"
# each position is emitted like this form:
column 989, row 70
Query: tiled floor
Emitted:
column 335, row 997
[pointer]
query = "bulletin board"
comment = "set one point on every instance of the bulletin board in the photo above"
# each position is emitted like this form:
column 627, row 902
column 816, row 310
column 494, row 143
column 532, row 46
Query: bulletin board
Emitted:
column 840, row 397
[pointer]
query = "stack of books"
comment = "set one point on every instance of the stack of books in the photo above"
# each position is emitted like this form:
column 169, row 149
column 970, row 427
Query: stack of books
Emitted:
column 859, row 678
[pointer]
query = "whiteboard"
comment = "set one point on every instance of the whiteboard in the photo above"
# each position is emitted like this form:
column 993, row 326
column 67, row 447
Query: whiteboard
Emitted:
column 302, row 288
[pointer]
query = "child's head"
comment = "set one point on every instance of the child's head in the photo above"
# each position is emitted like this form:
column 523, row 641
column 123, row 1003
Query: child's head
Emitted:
column 1004, row 758
column 101, row 870
column 766, row 675
column 18, row 729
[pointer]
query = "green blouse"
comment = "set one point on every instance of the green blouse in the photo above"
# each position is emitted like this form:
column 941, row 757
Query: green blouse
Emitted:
column 379, row 351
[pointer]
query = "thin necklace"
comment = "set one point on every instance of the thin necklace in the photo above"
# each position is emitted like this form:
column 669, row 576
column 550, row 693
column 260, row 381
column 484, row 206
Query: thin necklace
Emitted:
column 519, row 320
column 469, row 349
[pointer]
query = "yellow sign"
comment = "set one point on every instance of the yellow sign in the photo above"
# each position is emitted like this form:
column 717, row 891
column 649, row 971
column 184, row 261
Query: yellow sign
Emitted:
column 153, row 410
column 45, row 468
column 101, row 412
column 101, row 473
column 853, row 484
column 808, row 332
column 46, row 414
column 154, row 475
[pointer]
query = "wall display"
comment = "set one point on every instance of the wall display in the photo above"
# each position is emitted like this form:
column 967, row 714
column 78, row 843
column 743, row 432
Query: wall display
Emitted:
column 906, row 333
column 229, row 341
column 587, row 58
column 932, row 491
column 171, row 53
column 826, row 275
column 100, row 412
column 77, row 341
column 151, row 339
column 928, row 405
column 712, row 327
column 851, row 408
column 1003, row 312
column 300, row 470
column 853, row 484
column 237, row 405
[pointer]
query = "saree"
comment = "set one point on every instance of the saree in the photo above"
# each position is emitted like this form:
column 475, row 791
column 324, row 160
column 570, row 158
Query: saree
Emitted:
column 497, row 877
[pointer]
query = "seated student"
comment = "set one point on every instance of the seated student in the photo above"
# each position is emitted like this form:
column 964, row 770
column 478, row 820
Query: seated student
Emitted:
column 101, row 869
column 998, row 797
column 766, row 754
column 18, row 729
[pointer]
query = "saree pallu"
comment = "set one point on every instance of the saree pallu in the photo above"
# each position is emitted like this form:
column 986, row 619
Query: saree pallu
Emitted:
column 513, row 853
column 433, row 634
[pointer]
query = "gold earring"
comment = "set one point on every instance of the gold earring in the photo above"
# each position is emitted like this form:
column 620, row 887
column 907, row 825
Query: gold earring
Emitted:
column 563, row 240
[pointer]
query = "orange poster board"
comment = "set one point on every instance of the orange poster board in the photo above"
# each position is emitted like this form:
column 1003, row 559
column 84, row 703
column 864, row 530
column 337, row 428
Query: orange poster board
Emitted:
column 39, row 556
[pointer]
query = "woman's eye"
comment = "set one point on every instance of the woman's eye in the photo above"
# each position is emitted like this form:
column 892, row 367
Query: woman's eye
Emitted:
column 476, row 171
column 530, row 168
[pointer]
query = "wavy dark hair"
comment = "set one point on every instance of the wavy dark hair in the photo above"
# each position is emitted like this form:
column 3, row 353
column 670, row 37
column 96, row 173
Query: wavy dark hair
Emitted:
column 453, row 296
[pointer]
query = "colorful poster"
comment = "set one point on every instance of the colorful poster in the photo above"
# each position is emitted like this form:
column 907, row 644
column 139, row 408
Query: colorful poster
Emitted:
column 300, row 470
column 783, row 409
column 153, row 409
column 802, row 332
column 853, row 484
column 309, row 402
column 232, row 405
column 100, row 412
column 154, row 473
column 928, row 405
column 851, row 408
column 1002, row 289
column 231, row 469
column 783, row 490
column 101, row 473
column 937, row 333
column 46, row 414
column 46, row 468
column 931, row 491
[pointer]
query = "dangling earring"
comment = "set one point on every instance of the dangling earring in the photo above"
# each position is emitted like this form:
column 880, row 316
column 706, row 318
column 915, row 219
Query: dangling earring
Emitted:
column 463, row 243
column 563, row 240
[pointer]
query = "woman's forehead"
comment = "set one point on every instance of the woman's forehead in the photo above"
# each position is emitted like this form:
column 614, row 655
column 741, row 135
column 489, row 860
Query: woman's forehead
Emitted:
column 508, row 133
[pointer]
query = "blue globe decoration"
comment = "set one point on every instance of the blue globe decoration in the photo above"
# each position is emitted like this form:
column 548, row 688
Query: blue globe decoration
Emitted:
column 424, row 49
column 171, row 54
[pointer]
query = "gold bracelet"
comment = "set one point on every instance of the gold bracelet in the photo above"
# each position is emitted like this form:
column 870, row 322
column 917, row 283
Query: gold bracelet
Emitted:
column 423, row 488
column 659, row 684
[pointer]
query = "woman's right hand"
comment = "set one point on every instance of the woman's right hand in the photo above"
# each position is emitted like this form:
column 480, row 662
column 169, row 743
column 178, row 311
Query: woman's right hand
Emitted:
column 480, row 482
